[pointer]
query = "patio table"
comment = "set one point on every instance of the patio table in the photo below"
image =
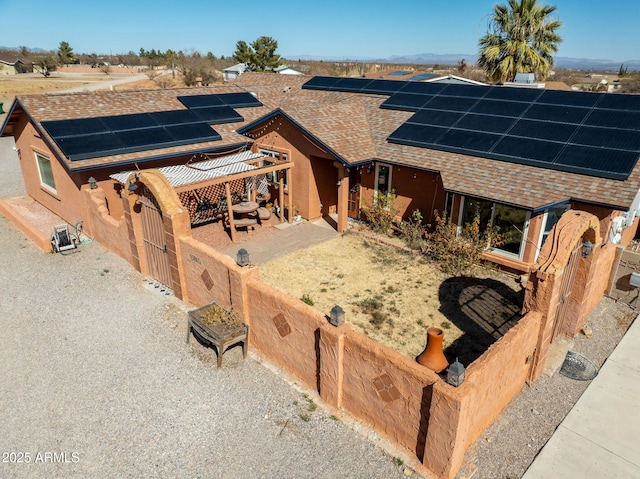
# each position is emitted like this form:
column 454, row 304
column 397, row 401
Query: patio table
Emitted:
column 245, row 207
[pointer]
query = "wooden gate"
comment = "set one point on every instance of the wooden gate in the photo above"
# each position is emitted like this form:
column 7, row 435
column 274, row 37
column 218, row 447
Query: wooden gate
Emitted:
column 566, row 288
column 155, row 246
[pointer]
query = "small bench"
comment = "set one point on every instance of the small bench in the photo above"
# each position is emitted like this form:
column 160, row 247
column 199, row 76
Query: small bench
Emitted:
column 243, row 223
column 263, row 213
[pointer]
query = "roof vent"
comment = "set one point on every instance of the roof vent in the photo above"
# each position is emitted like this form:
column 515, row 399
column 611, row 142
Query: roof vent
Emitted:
column 527, row 78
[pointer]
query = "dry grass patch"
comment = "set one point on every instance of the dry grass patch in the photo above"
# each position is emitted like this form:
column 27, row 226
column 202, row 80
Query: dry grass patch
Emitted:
column 389, row 295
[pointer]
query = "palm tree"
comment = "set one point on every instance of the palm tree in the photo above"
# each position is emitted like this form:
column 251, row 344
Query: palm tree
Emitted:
column 522, row 37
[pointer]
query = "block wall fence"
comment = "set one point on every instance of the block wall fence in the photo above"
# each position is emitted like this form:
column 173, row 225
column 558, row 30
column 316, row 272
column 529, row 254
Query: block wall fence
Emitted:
column 407, row 404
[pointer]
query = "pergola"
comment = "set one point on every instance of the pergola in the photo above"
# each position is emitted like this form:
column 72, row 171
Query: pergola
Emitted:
column 199, row 184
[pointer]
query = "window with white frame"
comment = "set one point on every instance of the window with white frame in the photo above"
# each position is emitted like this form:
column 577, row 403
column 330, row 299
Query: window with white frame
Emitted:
column 551, row 217
column 46, row 172
column 274, row 176
column 511, row 222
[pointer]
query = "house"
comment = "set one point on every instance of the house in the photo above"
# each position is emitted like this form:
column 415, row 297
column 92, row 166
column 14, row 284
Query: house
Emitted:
column 501, row 152
column 129, row 163
column 10, row 64
column 287, row 70
column 233, row 72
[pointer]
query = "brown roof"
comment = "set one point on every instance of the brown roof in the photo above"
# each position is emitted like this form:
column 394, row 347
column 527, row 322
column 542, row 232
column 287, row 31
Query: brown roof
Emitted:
column 351, row 125
column 521, row 185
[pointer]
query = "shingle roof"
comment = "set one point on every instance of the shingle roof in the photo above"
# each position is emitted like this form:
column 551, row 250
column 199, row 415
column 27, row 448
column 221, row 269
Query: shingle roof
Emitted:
column 521, row 185
column 351, row 125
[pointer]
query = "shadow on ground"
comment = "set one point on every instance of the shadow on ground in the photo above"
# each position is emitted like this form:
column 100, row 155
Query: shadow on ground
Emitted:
column 483, row 308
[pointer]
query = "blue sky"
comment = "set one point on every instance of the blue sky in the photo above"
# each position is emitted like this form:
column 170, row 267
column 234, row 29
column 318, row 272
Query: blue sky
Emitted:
column 329, row 28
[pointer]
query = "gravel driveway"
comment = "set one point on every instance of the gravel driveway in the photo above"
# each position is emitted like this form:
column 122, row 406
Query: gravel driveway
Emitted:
column 98, row 382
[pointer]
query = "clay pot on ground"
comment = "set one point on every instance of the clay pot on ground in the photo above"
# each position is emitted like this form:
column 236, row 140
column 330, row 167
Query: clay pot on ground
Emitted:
column 432, row 357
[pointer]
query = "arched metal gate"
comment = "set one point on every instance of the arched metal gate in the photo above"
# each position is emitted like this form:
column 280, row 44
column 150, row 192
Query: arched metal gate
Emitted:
column 155, row 246
column 566, row 288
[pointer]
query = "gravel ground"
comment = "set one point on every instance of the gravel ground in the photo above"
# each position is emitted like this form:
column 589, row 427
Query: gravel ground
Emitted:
column 507, row 448
column 97, row 381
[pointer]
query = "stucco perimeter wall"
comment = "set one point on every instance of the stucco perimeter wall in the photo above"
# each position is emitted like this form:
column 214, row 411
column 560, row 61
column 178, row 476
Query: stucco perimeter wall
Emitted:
column 498, row 375
column 285, row 330
column 388, row 390
column 111, row 233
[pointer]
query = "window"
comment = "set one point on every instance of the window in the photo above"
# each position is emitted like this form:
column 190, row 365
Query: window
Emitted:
column 46, row 172
column 510, row 221
column 383, row 179
column 551, row 217
column 274, row 176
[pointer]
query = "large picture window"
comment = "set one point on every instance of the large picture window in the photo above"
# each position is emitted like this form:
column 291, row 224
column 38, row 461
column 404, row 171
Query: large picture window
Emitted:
column 510, row 221
column 274, row 177
column 46, row 172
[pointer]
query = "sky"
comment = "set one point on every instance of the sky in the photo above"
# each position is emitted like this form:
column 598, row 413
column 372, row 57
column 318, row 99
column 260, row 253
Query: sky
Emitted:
column 335, row 29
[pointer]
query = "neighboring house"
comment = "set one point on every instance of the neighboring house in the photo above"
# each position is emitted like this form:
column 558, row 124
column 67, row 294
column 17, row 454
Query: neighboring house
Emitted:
column 10, row 65
column 518, row 157
column 287, row 70
column 233, row 72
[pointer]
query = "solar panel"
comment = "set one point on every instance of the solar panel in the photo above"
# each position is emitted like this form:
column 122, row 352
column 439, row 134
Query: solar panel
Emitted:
column 82, row 147
column 606, row 163
column 543, row 130
column 468, row 140
column 84, row 126
column 405, row 101
column 239, row 100
column 398, row 73
column 198, row 133
column 512, row 93
column 129, row 122
column 568, row 114
column 200, row 101
column 321, row 83
column 620, row 102
column 352, row 84
column 218, row 114
column 527, row 151
column 629, row 120
column 453, row 89
column 451, row 103
column 602, row 138
column 416, row 135
column 174, row 117
column 144, row 137
column 435, row 118
column 485, row 123
column 501, row 108
column 569, row 98
column 422, row 88
column 382, row 87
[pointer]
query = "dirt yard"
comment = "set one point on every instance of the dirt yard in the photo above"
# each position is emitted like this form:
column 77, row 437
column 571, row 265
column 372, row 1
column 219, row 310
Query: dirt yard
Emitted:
column 393, row 296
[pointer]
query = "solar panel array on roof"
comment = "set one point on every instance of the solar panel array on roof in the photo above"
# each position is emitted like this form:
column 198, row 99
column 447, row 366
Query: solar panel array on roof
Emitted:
column 596, row 134
column 81, row 139
column 85, row 138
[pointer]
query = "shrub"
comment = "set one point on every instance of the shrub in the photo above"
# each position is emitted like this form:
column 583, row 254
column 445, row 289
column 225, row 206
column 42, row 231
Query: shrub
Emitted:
column 459, row 251
column 412, row 231
column 381, row 212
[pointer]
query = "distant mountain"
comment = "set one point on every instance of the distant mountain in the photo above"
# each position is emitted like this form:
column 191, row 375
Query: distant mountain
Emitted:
column 471, row 58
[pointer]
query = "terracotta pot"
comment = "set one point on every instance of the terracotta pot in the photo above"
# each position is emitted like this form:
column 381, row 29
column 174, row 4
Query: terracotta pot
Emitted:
column 432, row 357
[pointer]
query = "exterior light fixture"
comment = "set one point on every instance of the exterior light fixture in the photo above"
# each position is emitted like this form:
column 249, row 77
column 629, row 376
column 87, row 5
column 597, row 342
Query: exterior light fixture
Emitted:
column 336, row 316
column 339, row 182
column 370, row 168
column 93, row 184
column 455, row 373
column 243, row 257
column 132, row 186
column 587, row 248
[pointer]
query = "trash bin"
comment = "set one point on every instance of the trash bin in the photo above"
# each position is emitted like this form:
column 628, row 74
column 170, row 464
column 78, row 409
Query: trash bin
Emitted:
column 1, row 110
